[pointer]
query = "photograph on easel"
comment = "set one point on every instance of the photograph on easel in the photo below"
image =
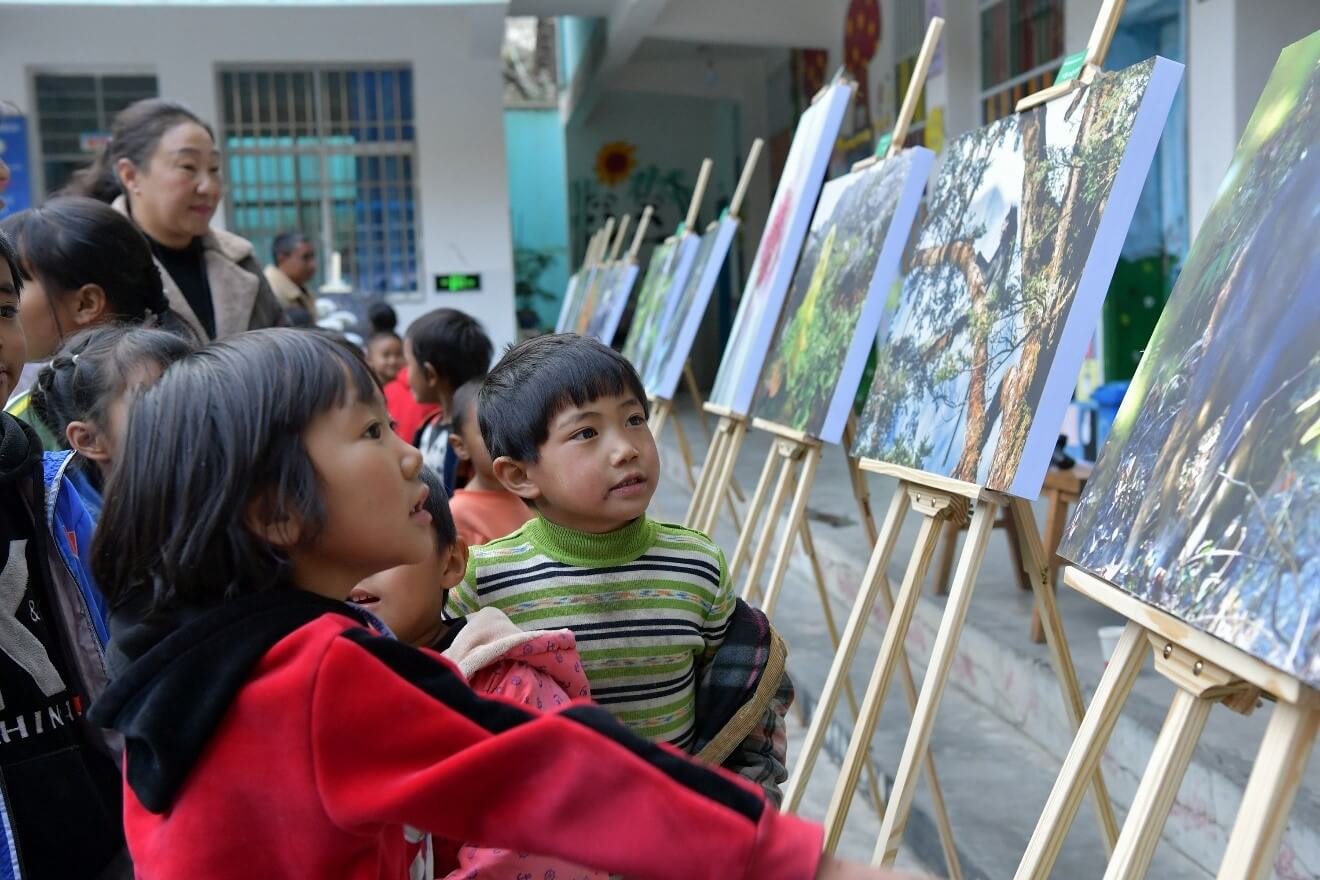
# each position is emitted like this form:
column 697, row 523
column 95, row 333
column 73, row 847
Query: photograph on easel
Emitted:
column 777, row 254
column 604, row 320
column 1026, row 221
column 655, row 304
column 838, row 295
column 674, row 341
column 1205, row 501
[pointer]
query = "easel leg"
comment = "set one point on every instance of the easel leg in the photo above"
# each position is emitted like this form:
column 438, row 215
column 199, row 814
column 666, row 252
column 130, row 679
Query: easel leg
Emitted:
column 932, row 686
column 708, row 470
column 1083, row 760
column 685, row 451
column 891, row 649
column 753, row 514
column 659, row 413
column 796, row 518
column 809, row 547
column 1271, row 790
column 737, row 433
column 875, row 578
column 690, row 380
column 753, row 588
column 1037, row 569
column 1159, row 786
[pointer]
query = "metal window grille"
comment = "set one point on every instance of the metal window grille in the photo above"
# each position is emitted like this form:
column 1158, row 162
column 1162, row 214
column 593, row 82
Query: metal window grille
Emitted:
column 910, row 18
column 330, row 152
column 1021, row 51
column 74, row 114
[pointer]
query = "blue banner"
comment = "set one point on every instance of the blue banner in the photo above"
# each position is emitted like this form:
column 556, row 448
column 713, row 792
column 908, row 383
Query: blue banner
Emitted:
column 17, row 195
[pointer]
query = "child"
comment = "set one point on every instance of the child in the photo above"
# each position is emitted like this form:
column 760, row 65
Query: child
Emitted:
column 84, row 265
column 385, row 355
column 539, row 669
column 566, row 421
column 82, row 396
column 59, row 786
column 316, row 745
column 483, row 508
column 443, row 349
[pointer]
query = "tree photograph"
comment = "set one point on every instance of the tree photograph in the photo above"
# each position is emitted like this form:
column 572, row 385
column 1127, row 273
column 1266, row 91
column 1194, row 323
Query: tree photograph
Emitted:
column 849, row 261
column 652, row 304
column 613, row 300
column 1002, row 265
column 1206, row 499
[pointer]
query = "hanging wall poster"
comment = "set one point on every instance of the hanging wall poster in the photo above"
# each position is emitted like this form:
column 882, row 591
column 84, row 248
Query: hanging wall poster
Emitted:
column 978, row 359
column 613, row 300
column 566, row 307
column 1206, row 499
column 674, row 342
column 837, row 299
column 790, row 212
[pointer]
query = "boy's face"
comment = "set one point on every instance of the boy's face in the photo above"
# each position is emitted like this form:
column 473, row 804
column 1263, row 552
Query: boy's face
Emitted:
column 372, row 498
column 385, row 357
column 13, row 346
column 469, row 446
column 410, row 598
column 597, row 469
column 426, row 385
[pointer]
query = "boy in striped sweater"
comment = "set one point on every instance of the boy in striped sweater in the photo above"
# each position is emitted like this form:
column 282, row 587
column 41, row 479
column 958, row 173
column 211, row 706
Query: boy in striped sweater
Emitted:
column 565, row 420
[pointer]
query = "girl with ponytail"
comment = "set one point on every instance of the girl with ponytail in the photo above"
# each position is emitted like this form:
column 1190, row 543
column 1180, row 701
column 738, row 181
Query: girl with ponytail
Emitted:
column 83, row 265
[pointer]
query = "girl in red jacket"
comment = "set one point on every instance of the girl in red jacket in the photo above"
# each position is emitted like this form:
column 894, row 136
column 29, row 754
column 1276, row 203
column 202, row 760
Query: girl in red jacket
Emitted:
column 270, row 733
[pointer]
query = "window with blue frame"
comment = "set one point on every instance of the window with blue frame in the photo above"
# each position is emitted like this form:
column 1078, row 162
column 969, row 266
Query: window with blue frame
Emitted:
column 330, row 152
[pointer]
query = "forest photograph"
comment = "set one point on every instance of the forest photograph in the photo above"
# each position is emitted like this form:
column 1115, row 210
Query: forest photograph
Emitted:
column 674, row 340
column 1024, row 228
column 652, row 301
column 777, row 254
column 1206, row 499
column 836, row 300
column 584, row 296
column 613, row 300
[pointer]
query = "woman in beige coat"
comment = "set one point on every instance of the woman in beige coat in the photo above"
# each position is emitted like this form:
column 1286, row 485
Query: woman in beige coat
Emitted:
column 162, row 169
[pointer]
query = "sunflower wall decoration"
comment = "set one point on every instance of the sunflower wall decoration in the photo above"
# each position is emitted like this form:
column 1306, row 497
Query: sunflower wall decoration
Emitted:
column 615, row 162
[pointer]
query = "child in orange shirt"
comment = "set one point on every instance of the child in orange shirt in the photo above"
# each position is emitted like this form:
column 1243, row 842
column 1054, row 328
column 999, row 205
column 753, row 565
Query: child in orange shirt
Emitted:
column 483, row 510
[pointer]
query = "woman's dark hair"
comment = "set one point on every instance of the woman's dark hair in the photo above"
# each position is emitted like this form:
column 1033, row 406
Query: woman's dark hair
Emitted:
column 223, row 426
column 538, row 379
column 437, row 504
column 95, row 367
column 382, row 317
column 464, row 398
column 71, row 241
column 452, row 343
column 134, row 135
column 10, row 256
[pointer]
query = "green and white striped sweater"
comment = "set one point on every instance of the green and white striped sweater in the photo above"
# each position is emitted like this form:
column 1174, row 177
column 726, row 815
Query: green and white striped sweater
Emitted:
column 649, row 604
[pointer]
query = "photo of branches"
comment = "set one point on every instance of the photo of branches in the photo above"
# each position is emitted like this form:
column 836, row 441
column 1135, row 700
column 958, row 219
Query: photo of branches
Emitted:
column 674, row 341
column 822, row 337
column 1206, row 498
column 603, row 323
column 651, row 305
column 777, row 254
column 1020, row 209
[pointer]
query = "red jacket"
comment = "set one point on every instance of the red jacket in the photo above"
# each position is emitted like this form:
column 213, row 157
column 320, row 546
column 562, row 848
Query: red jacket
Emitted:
column 407, row 413
column 275, row 736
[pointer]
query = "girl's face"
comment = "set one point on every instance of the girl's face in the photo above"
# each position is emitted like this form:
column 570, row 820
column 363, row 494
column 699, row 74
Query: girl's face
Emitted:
column 13, row 348
column 411, row 598
column 174, row 196
column 48, row 319
column 385, row 356
column 98, row 441
column 371, row 496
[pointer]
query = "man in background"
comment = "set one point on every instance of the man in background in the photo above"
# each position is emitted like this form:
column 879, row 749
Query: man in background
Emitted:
column 294, row 268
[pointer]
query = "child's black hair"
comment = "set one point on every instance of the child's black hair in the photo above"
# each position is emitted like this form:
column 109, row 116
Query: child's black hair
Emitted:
column 465, row 396
column 437, row 504
column 452, row 343
column 382, row 317
column 93, row 368
column 222, row 428
column 72, row 241
column 10, row 256
column 381, row 334
column 538, row 379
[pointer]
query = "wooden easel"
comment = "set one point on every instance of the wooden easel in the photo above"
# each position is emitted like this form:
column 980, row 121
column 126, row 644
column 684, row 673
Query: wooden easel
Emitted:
column 1205, row 671
column 937, row 498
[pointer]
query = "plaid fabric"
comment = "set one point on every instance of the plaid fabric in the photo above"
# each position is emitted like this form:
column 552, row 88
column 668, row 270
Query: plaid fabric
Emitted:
column 729, row 685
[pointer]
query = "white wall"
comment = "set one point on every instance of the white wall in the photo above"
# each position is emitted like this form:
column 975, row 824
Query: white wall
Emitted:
column 454, row 53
